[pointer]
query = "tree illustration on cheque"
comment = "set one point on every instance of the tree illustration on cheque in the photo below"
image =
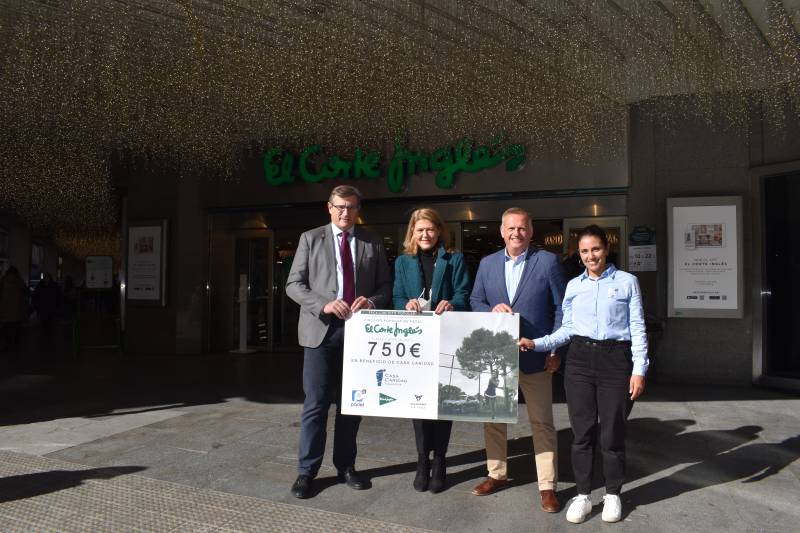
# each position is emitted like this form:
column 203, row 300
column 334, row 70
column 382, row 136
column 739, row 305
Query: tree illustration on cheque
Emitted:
column 450, row 392
column 486, row 351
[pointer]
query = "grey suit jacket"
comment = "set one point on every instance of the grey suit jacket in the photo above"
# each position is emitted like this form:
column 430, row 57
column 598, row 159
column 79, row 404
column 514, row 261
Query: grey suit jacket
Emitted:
column 312, row 278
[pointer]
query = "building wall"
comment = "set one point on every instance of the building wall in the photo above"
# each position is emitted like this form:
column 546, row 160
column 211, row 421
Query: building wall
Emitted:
column 689, row 158
column 684, row 157
column 152, row 196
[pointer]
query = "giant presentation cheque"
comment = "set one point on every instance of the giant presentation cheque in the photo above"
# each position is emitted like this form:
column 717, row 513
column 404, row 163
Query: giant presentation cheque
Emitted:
column 454, row 366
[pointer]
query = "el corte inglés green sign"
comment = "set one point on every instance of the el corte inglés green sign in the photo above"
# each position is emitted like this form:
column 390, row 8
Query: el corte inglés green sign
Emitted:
column 281, row 167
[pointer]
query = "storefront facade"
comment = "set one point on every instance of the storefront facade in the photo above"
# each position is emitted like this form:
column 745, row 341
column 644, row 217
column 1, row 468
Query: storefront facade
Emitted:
column 222, row 230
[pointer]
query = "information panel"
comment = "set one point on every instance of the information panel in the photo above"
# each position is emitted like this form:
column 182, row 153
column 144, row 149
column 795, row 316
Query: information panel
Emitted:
column 705, row 257
column 454, row 366
column 146, row 263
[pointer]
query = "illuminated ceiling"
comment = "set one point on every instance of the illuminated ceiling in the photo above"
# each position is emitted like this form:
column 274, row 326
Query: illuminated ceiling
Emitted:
column 199, row 81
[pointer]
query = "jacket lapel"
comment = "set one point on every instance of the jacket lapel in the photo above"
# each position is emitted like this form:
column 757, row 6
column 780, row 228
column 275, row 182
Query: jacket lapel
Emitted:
column 530, row 264
column 328, row 242
column 438, row 273
column 360, row 245
column 500, row 274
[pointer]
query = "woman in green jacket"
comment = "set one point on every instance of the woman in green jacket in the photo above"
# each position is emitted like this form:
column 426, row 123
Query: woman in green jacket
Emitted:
column 429, row 273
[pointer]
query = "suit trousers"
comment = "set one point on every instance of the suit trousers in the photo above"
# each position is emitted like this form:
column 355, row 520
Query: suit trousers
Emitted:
column 538, row 391
column 432, row 436
column 322, row 378
column 597, row 379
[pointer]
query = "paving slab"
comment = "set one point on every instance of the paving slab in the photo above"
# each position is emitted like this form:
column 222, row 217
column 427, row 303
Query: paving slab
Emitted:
column 699, row 459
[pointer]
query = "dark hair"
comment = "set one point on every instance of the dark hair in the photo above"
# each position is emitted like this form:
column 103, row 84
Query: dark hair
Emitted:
column 593, row 230
column 343, row 191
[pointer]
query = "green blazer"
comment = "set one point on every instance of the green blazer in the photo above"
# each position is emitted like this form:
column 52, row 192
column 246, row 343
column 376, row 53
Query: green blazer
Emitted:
column 450, row 280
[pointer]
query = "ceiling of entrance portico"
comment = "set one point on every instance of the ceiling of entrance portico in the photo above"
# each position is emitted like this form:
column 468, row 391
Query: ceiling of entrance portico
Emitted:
column 201, row 80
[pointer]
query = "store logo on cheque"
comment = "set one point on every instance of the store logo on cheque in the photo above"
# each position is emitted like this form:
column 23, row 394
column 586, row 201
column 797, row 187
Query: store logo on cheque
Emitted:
column 357, row 397
column 385, row 398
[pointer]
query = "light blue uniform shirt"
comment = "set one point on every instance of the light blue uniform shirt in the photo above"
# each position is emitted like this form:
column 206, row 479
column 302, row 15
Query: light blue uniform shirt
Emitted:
column 337, row 239
column 607, row 308
column 514, row 269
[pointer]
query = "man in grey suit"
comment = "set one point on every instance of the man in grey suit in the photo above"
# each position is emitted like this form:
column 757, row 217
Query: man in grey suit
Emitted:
column 337, row 270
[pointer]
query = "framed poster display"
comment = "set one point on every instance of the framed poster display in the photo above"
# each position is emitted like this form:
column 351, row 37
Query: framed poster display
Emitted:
column 147, row 262
column 705, row 257
column 454, row 366
column 99, row 271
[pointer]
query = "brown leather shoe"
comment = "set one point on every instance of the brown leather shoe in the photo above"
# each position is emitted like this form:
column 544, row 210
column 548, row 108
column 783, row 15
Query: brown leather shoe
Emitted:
column 489, row 486
column 549, row 501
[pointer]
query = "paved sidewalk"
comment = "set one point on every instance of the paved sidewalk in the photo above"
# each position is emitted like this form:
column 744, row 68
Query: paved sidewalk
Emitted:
column 40, row 494
column 200, row 457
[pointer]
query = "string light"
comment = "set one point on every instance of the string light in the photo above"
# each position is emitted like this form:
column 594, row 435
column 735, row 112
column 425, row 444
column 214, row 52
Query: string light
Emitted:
column 206, row 83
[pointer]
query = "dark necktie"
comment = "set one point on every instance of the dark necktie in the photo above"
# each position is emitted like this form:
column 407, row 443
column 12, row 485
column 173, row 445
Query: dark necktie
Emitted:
column 348, row 278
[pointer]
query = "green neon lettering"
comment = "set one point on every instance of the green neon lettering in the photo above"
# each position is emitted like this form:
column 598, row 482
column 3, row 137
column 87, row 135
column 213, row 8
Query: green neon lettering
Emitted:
column 396, row 179
column 446, row 162
column 366, row 166
column 305, row 173
column 336, row 167
column 272, row 173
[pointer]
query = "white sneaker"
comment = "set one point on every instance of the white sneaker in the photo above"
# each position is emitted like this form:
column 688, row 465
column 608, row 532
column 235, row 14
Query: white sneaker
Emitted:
column 579, row 509
column 612, row 508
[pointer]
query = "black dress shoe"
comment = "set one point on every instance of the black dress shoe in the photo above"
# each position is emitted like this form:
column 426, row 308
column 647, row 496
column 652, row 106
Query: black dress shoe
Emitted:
column 353, row 479
column 302, row 487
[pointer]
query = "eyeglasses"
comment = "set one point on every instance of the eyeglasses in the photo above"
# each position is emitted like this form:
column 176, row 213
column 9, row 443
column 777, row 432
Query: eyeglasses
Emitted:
column 343, row 208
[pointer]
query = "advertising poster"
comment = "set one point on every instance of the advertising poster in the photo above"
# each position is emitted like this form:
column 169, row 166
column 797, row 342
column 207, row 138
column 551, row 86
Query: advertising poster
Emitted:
column 454, row 366
column 99, row 271
column 705, row 270
column 705, row 256
column 144, row 263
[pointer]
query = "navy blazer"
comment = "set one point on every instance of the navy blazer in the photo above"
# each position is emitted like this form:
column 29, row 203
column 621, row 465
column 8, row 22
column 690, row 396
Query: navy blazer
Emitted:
column 537, row 300
column 450, row 280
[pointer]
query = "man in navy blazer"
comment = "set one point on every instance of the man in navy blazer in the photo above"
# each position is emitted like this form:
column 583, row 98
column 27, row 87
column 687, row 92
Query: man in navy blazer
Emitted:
column 524, row 279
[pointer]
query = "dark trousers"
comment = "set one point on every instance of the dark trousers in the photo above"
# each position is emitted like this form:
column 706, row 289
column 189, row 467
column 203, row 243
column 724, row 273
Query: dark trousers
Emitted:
column 47, row 342
column 432, row 436
column 597, row 378
column 322, row 381
column 11, row 335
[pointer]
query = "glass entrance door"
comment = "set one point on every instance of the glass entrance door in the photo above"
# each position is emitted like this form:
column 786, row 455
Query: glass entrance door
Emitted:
column 240, row 258
column 254, row 267
column 780, row 274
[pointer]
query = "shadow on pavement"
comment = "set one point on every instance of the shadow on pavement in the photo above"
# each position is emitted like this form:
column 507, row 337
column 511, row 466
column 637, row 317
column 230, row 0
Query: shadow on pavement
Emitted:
column 104, row 383
column 750, row 463
column 24, row 486
column 653, row 446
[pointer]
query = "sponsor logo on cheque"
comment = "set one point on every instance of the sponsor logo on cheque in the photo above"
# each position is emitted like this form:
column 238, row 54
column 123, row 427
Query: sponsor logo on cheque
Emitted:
column 385, row 398
column 357, row 397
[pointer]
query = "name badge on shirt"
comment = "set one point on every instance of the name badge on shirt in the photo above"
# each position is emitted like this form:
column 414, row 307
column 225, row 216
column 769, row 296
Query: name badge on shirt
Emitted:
column 612, row 292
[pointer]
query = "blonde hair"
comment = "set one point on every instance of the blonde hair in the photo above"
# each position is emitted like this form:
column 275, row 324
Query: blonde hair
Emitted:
column 425, row 213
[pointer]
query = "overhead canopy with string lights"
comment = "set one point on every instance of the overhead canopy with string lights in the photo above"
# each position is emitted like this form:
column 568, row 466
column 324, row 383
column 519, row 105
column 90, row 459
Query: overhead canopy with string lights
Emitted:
column 202, row 81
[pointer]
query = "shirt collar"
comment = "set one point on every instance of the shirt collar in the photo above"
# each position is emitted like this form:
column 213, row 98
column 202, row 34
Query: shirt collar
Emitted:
column 609, row 272
column 521, row 257
column 337, row 230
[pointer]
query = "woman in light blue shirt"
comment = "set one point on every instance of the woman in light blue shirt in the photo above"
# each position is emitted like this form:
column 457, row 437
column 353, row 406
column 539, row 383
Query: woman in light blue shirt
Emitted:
column 605, row 368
